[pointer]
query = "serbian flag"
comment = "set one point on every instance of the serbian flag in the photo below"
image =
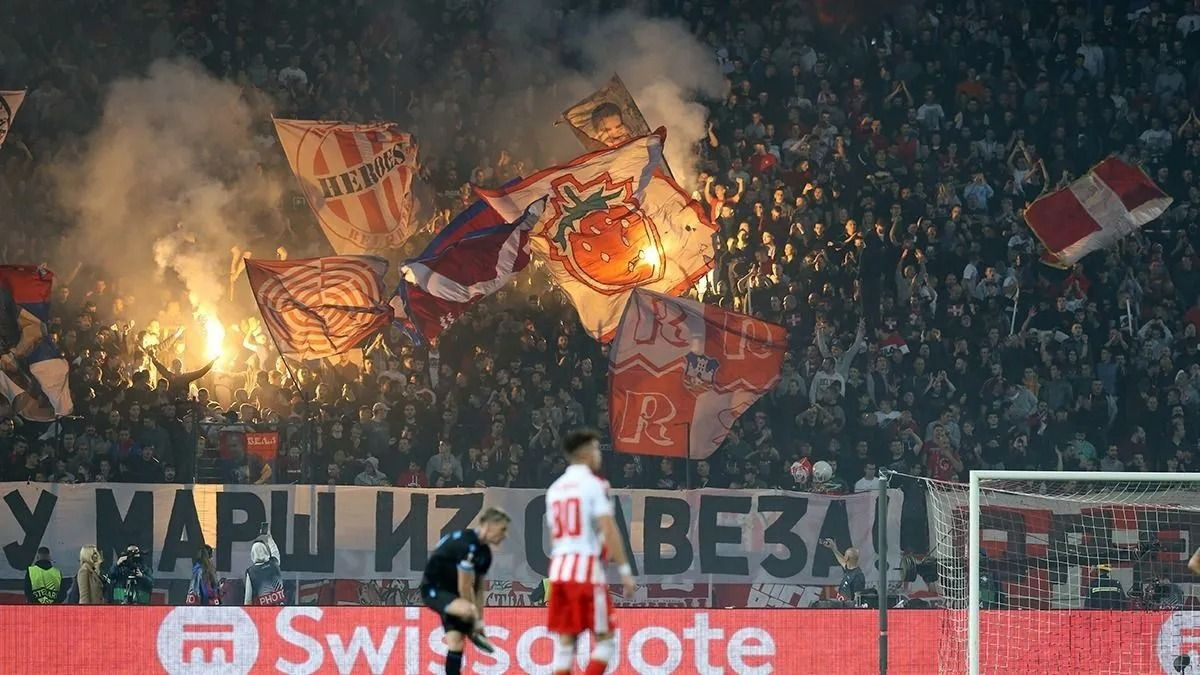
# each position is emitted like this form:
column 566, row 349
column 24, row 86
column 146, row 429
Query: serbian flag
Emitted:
column 357, row 179
column 477, row 254
column 31, row 288
column 10, row 101
column 315, row 308
column 1110, row 201
column 613, row 222
column 682, row 372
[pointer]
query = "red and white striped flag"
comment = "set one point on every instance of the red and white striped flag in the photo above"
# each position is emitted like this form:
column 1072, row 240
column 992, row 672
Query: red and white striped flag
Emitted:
column 10, row 101
column 1109, row 202
column 315, row 308
column 357, row 178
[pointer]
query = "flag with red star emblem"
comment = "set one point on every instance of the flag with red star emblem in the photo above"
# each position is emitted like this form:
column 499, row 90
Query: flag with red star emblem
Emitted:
column 613, row 222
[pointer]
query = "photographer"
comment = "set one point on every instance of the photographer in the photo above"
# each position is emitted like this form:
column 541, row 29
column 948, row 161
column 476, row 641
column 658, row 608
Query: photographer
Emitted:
column 264, row 580
column 131, row 579
column 853, row 580
column 205, row 589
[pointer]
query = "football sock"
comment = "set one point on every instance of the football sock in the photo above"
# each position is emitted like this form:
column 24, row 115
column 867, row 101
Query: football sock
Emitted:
column 601, row 655
column 453, row 663
column 562, row 658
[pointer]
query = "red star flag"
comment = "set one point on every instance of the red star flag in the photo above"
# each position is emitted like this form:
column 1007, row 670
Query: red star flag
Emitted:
column 1109, row 202
column 315, row 308
column 682, row 372
column 357, row 179
column 10, row 101
column 612, row 223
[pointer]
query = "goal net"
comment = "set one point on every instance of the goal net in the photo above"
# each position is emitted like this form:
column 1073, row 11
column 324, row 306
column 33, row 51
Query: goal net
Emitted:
column 1086, row 575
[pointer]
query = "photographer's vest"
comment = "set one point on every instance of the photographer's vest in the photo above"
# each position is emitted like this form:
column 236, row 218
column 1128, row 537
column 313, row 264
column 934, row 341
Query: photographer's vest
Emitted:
column 266, row 584
column 45, row 584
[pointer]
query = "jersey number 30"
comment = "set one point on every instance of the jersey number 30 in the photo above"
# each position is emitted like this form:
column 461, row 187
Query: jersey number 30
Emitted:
column 566, row 517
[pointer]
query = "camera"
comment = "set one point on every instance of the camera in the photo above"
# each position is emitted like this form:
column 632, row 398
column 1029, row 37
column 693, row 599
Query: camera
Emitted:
column 131, row 556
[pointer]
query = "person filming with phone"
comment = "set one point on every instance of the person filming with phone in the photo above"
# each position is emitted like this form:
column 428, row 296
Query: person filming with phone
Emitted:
column 264, row 579
column 853, row 580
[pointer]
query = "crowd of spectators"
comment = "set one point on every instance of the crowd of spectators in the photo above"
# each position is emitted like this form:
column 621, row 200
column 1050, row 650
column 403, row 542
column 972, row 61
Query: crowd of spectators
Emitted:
column 867, row 174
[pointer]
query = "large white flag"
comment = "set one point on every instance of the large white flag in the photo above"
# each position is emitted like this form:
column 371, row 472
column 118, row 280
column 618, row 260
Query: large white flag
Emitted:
column 613, row 222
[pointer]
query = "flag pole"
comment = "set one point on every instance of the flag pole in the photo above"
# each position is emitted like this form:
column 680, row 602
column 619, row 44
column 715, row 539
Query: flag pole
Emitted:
column 310, row 415
column 1012, row 324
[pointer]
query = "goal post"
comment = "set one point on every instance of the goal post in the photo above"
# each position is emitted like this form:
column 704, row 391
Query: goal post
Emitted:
column 1028, row 562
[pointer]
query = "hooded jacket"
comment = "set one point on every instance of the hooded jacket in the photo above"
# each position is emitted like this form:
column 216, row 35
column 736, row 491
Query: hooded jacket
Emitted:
column 264, row 579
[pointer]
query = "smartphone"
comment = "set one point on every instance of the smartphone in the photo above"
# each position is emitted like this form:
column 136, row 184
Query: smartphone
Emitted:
column 264, row 528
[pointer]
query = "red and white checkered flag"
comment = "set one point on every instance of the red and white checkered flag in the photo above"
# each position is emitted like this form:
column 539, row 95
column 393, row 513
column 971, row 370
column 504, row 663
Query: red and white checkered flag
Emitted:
column 1109, row 202
column 315, row 308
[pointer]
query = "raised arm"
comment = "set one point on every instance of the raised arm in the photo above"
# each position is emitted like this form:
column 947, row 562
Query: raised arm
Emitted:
column 194, row 375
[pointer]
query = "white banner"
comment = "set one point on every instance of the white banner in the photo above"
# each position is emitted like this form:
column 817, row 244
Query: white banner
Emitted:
column 387, row 533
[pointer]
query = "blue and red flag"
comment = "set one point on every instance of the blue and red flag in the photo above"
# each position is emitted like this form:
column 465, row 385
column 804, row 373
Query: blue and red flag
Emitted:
column 477, row 254
column 31, row 287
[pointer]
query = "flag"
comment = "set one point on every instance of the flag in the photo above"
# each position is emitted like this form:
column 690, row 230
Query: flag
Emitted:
column 315, row 308
column 1110, row 201
column 475, row 255
column 612, row 224
column 10, row 101
column 357, row 178
column 682, row 372
column 606, row 118
column 31, row 288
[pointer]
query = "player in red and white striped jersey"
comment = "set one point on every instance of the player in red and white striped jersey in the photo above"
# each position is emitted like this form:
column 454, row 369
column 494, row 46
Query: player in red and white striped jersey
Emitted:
column 584, row 535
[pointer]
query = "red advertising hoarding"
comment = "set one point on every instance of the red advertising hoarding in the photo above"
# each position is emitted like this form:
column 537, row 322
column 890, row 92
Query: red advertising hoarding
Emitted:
column 230, row 640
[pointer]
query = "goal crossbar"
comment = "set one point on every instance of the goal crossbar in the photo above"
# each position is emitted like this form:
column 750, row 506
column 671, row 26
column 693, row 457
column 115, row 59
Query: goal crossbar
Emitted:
column 973, row 534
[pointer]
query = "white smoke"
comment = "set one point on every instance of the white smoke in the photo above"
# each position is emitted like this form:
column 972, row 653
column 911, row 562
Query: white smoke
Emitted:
column 548, row 57
column 166, row 184
column 668, row 71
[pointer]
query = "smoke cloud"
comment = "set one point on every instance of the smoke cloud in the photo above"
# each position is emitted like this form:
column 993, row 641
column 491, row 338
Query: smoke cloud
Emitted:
column 172, row 177
column 666, row 69
column 547, row 58
column 166, row 184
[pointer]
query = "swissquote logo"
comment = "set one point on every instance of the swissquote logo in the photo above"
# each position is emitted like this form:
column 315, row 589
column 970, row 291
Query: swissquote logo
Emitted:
column 211, row 640
column 1179, row 636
